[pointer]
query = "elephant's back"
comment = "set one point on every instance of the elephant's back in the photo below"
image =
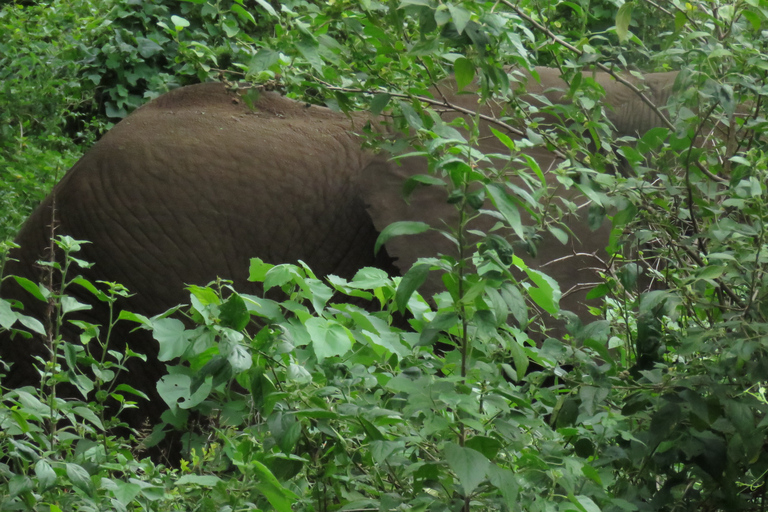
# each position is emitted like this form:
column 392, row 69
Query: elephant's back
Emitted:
column 194, row 183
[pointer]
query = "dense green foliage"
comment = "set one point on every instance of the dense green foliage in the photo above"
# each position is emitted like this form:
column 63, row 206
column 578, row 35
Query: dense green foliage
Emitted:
column 312, row 404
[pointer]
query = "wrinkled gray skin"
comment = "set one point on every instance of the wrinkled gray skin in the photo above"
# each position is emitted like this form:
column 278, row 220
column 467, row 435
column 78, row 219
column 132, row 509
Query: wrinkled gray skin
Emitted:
column 193, row 184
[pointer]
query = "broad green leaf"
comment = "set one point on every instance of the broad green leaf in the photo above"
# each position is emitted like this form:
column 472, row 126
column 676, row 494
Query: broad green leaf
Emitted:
column 469, row 465
column 379, row 103
column 176, row 390
column 7, row 314
column 86, row 413
column 172, row 337
column 46, row 476
column 201, row 480
column 488, row 446
column 19, row 484
column 126, row 492
column 506, row 206
column 33, row 324
column 369, row 278
column 328, row 338
column 179, row 22
column 277, row 495
column 380, row 450
column 267, row 7
column 623, row 19
column 234, row 314
column 37, row 291
column 584, row 503
column 308, row 48
column 519, row 358
column 464, row 72
column 278, row 276
column 413, row 119
column 506, row 482
column 546, row 294
column 134, row 317
column 80, row 478
column 404, row 227
column 239, row 359
column 70, row 305
column 460, row 17
column 505, row 139
column 652, row 139
column 243, row 14
column 321, row 294
column 410, row 282
column 204, row 294
column 442, row 322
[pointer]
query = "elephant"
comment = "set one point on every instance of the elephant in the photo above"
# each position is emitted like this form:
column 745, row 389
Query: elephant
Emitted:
column 196, row 182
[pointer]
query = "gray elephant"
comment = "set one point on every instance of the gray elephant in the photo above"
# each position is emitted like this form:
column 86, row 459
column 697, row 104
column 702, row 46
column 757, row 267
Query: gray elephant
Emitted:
column 193, row 184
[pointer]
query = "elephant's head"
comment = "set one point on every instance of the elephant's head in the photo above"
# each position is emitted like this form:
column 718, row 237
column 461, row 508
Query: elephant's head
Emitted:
column 572, row 264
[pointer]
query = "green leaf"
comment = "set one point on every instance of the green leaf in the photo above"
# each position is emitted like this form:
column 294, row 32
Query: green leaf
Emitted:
column 460, row 17
column 126, row 492
column 441, row 322
column 506, row 206
column 279, row 275
column 7, row 314
column 257, row 271
column 652, row 139
column 506, row 482
column 403, row 227
column 623, row 19
column 546, row 294
column 201, row 480
column 179, row 22
column 267, row 7
column 328, row 338
column 520, row 359
column 86, row 413
column 46, row 476
column 234, row 314
column 33, row 324
column 204, row 294
column 239, row 359
column 243, row 14
column 70, row 305
column 37, row 291
column 584, row 503
column 263, row 60
column 410, row 115
column 505, row 139
column 172, row 337
column 80, row 478
column 134, row 317
column 710, row 272
column 379, row 103
column 308, row 47
column 147, row 48
column 488, row 446
column 592, row 474
column 19, row 484
column 370, row 278
column 469, row 465
column 464, row 72
column 410, row 282
column 277, row 495
column 176, row 390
